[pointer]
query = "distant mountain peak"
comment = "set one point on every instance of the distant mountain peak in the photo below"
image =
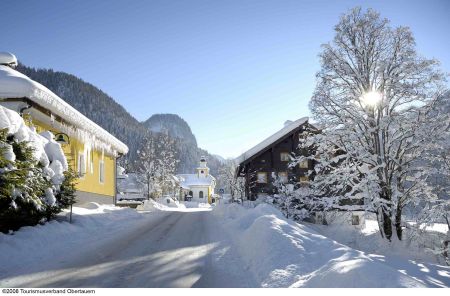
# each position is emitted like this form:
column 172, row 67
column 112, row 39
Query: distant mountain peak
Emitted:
column 176, row 126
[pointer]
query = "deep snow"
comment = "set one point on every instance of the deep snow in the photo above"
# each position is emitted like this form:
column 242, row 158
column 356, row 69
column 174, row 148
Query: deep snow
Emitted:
column 282, row 253
column 187, row 246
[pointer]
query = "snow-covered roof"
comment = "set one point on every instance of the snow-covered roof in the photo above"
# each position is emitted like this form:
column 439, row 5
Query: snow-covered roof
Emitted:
column 8, row 59
column 289, row 126
column 16, row 85
column 188, row 180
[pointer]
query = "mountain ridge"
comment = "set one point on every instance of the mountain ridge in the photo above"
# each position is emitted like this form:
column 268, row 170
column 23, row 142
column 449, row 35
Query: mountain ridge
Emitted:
column 101, row 108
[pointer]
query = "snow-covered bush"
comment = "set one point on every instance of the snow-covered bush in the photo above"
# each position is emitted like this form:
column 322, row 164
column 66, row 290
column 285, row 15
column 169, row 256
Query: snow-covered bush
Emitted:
column 293, row 200
column 35, row 182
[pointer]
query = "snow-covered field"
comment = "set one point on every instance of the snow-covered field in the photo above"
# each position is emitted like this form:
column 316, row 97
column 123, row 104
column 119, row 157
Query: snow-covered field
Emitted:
column 192, row 245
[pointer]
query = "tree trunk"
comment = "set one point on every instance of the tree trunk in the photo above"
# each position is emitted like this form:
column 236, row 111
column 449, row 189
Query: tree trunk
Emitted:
column 380, row 222
column 148, row 188
column 387, row 225
column 398, row 222
column 386, row 213
column 384, row 224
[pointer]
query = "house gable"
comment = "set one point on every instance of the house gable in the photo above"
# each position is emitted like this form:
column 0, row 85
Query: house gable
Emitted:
column 271, row 158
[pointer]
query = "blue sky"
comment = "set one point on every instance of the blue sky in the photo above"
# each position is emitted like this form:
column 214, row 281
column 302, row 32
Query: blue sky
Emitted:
column 234, row 70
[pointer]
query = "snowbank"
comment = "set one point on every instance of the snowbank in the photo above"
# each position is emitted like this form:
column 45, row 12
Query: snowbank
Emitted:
column 413, row 248
column 160, row 205
column 174, row 205
column 151, row 205
column 194, row 204
column 54, row 241
column 282, row 253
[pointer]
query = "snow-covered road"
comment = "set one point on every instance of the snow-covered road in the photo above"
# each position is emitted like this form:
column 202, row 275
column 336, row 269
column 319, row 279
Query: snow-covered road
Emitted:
column 178, row 249
column 228, row 246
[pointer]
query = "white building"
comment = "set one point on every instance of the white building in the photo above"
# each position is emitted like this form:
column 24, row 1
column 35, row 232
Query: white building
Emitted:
column 198, row 187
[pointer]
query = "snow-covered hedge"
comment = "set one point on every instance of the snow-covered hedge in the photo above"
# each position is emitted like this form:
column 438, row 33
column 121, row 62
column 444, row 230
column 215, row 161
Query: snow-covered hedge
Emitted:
column 35, row 183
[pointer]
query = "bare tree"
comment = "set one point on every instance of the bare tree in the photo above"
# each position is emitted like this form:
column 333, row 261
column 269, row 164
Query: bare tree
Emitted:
column 438, row 210
column 156, row 164
column 234, row 184
column 374, row 98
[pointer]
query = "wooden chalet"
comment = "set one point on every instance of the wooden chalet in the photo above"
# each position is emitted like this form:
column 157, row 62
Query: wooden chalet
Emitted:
column 270, row 159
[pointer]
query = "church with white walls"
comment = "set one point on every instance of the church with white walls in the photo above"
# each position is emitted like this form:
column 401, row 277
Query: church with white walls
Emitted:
column 198, row 187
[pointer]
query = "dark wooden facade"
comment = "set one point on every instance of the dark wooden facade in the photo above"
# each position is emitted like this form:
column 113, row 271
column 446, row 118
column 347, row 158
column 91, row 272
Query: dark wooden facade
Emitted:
column 271, row 160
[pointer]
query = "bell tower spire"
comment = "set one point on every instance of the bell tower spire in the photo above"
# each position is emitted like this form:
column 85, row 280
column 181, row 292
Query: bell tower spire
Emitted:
column 202, row 170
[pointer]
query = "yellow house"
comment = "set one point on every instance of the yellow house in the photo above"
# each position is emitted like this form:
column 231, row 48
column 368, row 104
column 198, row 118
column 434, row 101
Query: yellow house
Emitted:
column 90, row 150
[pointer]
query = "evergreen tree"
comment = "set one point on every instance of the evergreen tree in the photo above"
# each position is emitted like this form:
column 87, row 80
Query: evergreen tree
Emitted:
column 23, row 185
column 27, row 195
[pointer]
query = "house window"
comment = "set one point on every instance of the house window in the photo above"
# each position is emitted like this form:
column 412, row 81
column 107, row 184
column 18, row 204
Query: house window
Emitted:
column 200, row 194
column 81, row 165
column 92, row 162
column 355, row 220
column 284, row 156
column 261, row 177
column 102, row 171
column 302, row 135
column 283, row 177
column 201, row 172
column 304, row 179
column 304, row 164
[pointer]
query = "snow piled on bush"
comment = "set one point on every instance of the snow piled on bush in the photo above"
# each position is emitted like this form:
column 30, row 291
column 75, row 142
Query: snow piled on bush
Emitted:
column 45, row 149
column 282, row 253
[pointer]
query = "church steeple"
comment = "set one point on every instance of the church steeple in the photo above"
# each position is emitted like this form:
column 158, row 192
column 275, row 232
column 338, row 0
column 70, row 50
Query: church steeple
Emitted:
column 202, row 170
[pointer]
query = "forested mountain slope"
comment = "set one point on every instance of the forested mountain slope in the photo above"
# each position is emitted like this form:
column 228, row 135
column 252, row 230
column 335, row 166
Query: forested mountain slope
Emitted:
column 106, row 112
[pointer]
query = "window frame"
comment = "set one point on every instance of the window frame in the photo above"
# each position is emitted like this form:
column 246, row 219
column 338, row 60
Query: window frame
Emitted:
column 81, row 165
column 304, row 181
column 101, row 171
column 283, row 159
column 301, row 164
column 285, row 178
column 92, row 162
column 258, row 174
